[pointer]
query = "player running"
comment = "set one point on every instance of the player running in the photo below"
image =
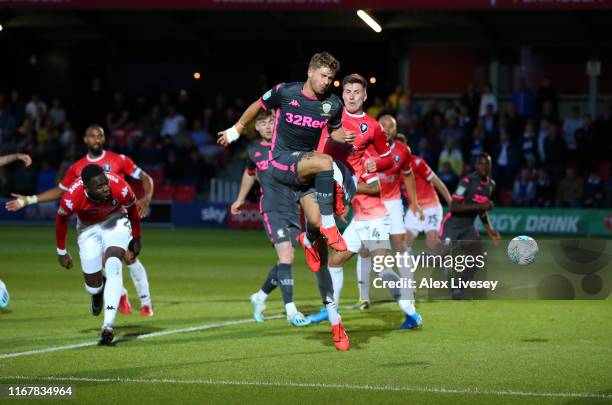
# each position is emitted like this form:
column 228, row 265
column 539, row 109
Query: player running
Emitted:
column 472, row 198
column 281, row 216
column 108, row 226
column 427, row 182
column 122, row 166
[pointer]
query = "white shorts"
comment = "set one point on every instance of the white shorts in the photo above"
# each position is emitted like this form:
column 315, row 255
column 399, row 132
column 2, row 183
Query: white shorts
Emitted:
column 396, row 214
column 93, row 241
column 432, row 221
column 372, row 234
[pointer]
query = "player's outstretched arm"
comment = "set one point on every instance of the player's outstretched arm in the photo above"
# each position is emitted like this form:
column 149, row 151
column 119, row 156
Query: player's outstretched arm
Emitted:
column 61, row 230
column 411, row 190
column 231, row 134
column 26, row 159
column 442, row 189
column 245, row 186
column 21, row 201
column 143, row 203
column 372, row 188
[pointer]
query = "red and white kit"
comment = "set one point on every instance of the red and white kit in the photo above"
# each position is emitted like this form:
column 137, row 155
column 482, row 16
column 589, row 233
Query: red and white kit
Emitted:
column 120, row 165
column 390, row 183
column 100, row 225
column 427, row 198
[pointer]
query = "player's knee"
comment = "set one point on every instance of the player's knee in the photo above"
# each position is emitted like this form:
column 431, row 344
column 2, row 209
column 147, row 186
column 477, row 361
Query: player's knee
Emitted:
column 325, row 162
column 114, row 251
column 129, row 260
column 286, row 257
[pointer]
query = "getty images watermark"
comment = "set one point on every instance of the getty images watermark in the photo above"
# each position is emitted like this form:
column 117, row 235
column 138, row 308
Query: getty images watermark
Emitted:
column 465, row 264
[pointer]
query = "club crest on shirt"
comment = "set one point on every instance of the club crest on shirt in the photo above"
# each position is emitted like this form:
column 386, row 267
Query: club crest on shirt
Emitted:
column 280, row 233
column 326, row 107
column 107, row 167
column 396, row 158
column 363, row 127
column 267, row 95
column 114, row 202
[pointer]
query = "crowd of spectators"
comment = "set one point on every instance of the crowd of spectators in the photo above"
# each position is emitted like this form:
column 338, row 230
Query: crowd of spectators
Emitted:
column 540, row 159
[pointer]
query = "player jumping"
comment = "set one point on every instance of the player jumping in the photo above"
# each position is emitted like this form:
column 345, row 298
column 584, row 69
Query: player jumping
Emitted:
column 108, row 230
column 121, row 166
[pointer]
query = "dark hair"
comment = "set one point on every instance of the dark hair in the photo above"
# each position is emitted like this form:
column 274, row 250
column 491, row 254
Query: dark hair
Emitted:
column 264, row 114
column 483, row 155
column 89, row 172
column 94, row 126
column 355, row 78
column 324, row 59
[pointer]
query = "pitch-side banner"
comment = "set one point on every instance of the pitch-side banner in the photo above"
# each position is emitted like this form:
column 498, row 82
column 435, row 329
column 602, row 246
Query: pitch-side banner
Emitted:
column 409, row 5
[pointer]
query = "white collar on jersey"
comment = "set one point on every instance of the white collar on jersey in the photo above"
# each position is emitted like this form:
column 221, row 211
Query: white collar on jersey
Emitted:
column 355, row 115
column 96, row 159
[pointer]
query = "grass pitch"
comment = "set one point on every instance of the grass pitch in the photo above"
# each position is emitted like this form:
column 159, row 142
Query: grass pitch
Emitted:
column 467, row 352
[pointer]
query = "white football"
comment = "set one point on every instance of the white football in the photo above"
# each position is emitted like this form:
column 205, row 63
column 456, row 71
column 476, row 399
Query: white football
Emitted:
column 523, row 250
column 4, row 296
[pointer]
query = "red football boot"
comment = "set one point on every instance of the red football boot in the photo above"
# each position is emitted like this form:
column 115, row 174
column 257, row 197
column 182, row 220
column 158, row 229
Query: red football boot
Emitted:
column 124, row 304
column 146, row 310
column 341, row 340
column 312, row 255
column 334, row 238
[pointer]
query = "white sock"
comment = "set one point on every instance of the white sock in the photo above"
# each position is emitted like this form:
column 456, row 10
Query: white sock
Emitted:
column 112, row 290
column 407, row 306
column 261, row 296
column 291, row 309
column 407, row 293
column 332, row 313
column 93, row 290
column 141, row 282
column 364, row 266
column 337, row 276
column 307, row 242
column 328, row 221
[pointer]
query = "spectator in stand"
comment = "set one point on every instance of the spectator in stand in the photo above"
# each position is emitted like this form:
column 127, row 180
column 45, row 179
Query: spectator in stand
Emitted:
column 524, row 191
column 587, row 146
column 529, row 144
column 448, row 176
column 46, row 178
column 68, row 135
column 489, row 120
column 450, row 111
column 410, row 130
column 505, row 161
column 603, row 130
column 409, row 107
column 571, row 124
column 608, row 191
column 147, row 155
column 451, row 155
column 151, row 123
column 57, row 114
column 465, row 121
column 544, row 190
column 549, row 114
column 451, row 131
column 140, row 110
column 532, row 169
column 8, row 123
column 395, row 97
column 185, row 106
column 173, row 170
column 523, row 100
column 16, row 107
column 542, row 137
column 199, row 134
column 547, row 94
column 477, row 146
column 172, row 122
column 36, row 110
column 569, row 192
column 424, row 151
column 377, row 107
column 487, row 98
column 594, row 190
column 515, row 123
column 471, row 100
column 555, row 153
column 164, row 104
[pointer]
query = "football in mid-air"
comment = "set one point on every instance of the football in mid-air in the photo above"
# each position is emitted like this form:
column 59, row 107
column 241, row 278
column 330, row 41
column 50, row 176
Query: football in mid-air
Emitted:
column 4, row 295
column 523, row 250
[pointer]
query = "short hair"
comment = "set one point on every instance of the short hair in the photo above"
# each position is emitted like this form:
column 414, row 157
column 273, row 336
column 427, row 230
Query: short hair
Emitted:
column 483, row 155
column 94, row 126
column 355, row 78
column 401, row 138
column 324, row 59
column 89, row 172
column 264, row 114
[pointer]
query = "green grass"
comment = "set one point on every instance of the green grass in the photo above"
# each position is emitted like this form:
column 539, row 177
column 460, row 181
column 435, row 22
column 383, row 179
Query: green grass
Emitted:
column 201, row 277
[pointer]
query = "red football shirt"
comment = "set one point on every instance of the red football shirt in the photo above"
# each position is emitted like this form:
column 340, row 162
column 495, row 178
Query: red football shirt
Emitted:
column 89, row 212
column 111, row 162
column 391, row 179
column 368, row 133
column 425, row 191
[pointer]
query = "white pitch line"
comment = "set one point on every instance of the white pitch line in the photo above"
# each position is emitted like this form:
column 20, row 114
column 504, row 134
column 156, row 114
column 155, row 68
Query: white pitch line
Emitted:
column 431, row 390
column 144, row 336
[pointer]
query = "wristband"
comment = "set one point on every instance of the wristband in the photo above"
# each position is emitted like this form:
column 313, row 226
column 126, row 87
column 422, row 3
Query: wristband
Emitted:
column 31, row 199
column 62, row 252
column 232, row 134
